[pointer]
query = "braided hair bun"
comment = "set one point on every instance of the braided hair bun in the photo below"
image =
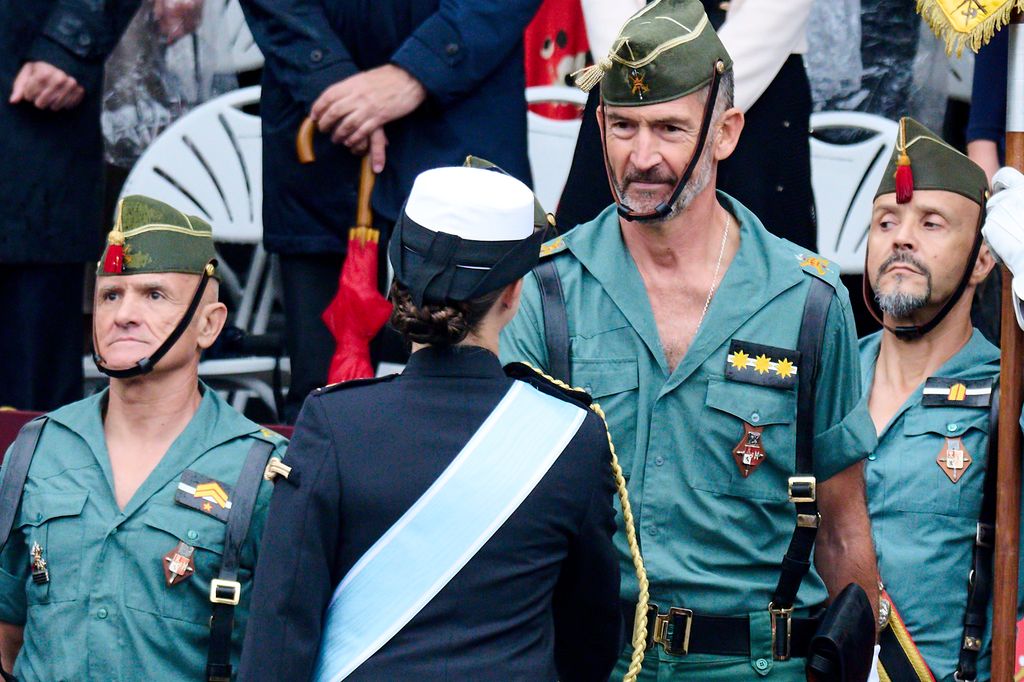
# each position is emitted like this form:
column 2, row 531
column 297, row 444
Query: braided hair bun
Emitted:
column 437, row 324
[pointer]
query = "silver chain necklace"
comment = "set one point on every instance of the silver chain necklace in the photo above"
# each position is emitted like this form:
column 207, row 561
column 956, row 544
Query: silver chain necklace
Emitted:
column 718, row 267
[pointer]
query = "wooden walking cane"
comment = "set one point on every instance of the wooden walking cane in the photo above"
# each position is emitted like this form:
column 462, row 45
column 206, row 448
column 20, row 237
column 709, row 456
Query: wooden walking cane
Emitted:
column 358, row 310
column 1004, row 606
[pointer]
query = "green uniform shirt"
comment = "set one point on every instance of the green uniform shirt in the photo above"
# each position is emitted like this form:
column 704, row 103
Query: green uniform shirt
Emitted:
column 712, row 540
column 107, row 612
column 923, row 523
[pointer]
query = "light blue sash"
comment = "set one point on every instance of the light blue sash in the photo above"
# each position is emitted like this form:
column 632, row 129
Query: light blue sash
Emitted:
column 444, row 529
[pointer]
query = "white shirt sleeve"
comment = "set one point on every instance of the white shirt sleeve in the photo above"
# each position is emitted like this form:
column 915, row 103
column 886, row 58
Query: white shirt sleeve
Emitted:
column 604, row 18
column 760, row 35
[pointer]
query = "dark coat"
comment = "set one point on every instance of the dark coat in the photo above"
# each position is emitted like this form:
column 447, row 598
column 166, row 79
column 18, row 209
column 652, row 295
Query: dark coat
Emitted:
column 467, row 54
column 51, row 163
column 539, row 601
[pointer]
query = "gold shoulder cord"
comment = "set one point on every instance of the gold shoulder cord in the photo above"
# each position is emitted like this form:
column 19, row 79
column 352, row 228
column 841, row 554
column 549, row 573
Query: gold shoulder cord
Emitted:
column 640, row 618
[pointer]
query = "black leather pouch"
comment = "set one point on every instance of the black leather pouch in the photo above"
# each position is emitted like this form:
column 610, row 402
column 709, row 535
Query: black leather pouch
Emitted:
column 843, row 647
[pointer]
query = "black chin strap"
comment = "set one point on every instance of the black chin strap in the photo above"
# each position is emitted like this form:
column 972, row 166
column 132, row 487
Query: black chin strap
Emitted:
column 664, row 208
column 911, row 331
column 145, row 365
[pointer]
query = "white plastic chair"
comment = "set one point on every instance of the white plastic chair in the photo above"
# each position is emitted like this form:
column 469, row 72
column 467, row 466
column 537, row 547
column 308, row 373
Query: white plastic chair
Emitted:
column 239, row 51
column 844, row 178
column 551, row 143
column 209, row 163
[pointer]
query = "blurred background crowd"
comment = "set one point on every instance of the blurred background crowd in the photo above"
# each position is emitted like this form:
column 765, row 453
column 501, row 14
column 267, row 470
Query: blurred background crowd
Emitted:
column 198, row 103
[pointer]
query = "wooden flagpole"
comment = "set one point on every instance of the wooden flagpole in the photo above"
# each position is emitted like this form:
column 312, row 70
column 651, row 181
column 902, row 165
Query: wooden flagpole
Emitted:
column 1004, row 617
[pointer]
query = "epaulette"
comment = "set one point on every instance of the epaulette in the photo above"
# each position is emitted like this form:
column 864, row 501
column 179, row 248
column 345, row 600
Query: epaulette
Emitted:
column 550, row 248
column 533, row 376
column 352, row 383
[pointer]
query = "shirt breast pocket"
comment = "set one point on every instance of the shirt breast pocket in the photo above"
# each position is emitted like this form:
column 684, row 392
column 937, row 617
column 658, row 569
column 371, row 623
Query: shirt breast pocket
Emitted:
column 162, row 528
column 957, row 434
column 53, row 521
column 613, row 384
column 711, row 466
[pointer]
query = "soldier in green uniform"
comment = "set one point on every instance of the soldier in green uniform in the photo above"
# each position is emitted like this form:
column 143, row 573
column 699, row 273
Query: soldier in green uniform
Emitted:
column 929, row 377
column 139, row 516
column 682, row 317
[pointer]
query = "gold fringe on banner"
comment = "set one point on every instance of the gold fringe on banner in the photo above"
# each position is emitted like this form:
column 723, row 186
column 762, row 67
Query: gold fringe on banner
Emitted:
column 967, row 23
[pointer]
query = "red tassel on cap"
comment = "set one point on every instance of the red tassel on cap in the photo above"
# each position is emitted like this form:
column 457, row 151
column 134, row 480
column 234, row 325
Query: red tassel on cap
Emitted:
column 904, row 175
column 904, row 179
column 113, row 262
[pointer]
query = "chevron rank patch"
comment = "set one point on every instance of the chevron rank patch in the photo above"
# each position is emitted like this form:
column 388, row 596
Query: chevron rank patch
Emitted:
column 205, row 494
column 753, row 363
column 945, row 392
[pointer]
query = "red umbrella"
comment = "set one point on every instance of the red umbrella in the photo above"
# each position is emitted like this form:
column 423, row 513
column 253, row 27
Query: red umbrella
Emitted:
column 358, row 310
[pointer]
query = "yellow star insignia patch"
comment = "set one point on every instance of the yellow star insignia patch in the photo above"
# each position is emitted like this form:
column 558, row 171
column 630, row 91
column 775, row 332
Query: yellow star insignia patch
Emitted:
column 739, row 359
column 207, row 507
column 772, row 366
column 762, row 364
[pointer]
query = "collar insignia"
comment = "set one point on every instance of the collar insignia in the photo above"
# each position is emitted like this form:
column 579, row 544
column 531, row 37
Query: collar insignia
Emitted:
column 551, row 247
column 819, row 264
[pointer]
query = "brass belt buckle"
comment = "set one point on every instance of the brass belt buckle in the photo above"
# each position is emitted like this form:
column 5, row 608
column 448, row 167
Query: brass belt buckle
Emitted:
column 666, row 631
column 783, row 618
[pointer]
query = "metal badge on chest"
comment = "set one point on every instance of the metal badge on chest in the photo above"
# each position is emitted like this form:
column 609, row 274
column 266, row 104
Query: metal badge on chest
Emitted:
column 953, row 458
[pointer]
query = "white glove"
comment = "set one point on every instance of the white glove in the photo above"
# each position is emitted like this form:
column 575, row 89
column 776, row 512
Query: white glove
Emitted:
column 1004, row 228
column 873, row 677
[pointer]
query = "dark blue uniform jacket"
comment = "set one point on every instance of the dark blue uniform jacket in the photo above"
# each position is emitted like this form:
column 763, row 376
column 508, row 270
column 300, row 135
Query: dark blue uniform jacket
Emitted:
column 51, row 162
column 467, row 54
column 538, row 602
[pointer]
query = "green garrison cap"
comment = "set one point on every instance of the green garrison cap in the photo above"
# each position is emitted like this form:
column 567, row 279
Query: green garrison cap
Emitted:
column 665, row 51
column 922, row 160
column 151, row 236
column 542, row 220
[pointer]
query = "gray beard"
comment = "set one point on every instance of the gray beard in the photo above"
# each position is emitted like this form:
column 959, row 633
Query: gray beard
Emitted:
column 697, row 183
column 901, row 305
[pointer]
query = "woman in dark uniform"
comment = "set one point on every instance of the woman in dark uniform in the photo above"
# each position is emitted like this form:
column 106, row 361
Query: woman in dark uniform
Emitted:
column 534, row 595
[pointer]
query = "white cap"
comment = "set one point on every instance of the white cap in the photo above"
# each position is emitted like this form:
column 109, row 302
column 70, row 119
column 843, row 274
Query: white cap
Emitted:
column 472, row 203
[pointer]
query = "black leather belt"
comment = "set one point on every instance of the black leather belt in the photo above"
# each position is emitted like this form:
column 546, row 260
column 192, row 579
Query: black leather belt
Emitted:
column 681, row 632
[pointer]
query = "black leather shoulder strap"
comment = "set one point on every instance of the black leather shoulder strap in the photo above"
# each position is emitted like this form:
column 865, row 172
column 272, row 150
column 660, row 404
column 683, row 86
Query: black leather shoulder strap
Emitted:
column 18, row 462
column 556, row 322
column 225, row 591
column 802, row 486
column 979, row 583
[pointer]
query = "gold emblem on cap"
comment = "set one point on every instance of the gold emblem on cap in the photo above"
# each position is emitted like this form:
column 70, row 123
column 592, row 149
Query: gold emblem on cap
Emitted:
column 637, row 86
